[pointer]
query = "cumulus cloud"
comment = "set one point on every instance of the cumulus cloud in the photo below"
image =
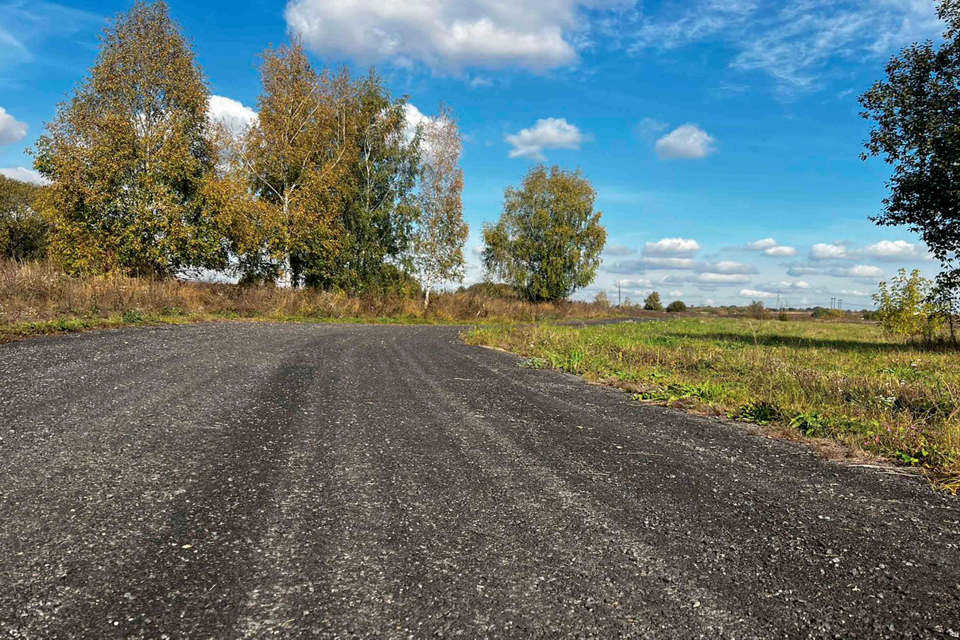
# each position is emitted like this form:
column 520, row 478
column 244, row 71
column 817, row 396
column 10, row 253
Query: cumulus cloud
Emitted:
column 854, row 293
column 11, row 129
column 771, row 247
column 413, row 118
column 781, row 252
column 686, row 142
column 885, row 250
column 24, row 175
column 678, row 247
column 448, row 35
column 762, row 245
column 234, row 116
column 619, row 250
column 549, row 133
column 823, row 251
column 895, row 250
column 676, row 293
column 785, row 287
column 754, row 294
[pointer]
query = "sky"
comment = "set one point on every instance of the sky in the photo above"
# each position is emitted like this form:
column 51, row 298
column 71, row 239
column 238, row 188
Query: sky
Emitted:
column 723, row 137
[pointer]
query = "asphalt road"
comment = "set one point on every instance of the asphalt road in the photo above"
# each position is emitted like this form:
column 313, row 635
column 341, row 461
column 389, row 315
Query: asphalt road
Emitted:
column 259, row 481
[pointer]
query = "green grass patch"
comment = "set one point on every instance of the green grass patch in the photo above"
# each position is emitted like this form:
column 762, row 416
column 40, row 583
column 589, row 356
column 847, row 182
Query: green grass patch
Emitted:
column 846, row 382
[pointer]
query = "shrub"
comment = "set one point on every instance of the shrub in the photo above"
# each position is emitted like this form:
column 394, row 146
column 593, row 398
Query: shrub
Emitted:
column 677, row 306
column 652, row 302
column 783, row 317
column 601, row 299
column 757, row 310
column 904, row 307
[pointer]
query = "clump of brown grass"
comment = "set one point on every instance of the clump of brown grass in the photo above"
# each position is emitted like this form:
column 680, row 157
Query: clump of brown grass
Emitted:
column 38, row 293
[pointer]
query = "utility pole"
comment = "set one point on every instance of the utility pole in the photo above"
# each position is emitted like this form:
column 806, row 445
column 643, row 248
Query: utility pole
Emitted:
column 619, row 297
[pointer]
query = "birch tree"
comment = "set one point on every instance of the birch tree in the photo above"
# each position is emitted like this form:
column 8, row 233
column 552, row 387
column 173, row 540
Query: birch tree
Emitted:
column 441, row 231
column 295, row 157
column 128, row 154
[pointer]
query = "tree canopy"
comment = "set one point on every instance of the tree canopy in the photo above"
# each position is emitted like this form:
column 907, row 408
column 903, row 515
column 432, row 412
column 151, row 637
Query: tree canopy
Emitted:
column 548, row 240
column 127, row 156
column 23, row 232
column 916, row 128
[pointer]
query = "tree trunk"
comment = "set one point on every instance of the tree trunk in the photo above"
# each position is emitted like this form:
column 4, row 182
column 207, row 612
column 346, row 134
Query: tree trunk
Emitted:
column 426, row 298
column 286, row 280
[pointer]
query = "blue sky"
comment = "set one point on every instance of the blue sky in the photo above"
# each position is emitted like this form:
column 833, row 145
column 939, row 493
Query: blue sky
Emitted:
column 722, row 136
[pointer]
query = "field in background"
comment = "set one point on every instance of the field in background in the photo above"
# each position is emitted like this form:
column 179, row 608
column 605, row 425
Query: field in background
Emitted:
column 841, row 381
column 36, row 299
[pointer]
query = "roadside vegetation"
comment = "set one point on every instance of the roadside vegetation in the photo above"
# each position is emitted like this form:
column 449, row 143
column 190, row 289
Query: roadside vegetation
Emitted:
column 37, row 299
column 853, row 383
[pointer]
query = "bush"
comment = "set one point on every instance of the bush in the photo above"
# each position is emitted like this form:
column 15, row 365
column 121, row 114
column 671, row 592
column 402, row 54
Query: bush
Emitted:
column 677, row 306
column 496, row 290
column 652, row 303
column 757, row 311
column 904, row 307
column 601, row 299
column 783, row 317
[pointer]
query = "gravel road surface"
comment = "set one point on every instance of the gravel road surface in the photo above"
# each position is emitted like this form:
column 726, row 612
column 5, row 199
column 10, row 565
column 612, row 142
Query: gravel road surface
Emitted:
column 261, row 481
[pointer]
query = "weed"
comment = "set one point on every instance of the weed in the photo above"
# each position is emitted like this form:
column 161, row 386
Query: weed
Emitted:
column 133, row 316
column 758, row 412
column 534, row 363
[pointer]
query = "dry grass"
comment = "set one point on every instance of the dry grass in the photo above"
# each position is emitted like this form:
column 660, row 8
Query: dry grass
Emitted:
column 35, row 298
column 844, row 382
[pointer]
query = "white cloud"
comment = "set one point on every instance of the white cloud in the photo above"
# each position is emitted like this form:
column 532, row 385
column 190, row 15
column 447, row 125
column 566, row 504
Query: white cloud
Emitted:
column 754, row 294
column 672, row 247
column 771, row 247
column 708, row 278
column 448, row 35
column 781, row 252
column 822, row 251
column 886, row 250
column 728, row 266
column 796, row 42
column 619, row 250
column 762, row 245
column 549, row 133
column 231, row 113
column 640, row 283
column 676, row 294
column 784, row 287
column 863, row 271
column 895, row 251
column 24, row 175
column 11, row 129
column 686, row 142
column 854, row 292
column 708, row 302
column 413, row 117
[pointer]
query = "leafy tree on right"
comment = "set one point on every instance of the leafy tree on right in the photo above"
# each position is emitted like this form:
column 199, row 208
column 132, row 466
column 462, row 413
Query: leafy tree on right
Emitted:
column 916, row 116
column 548, row 240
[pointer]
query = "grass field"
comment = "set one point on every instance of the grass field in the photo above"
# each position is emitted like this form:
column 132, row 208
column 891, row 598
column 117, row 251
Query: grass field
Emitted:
column 840, row 381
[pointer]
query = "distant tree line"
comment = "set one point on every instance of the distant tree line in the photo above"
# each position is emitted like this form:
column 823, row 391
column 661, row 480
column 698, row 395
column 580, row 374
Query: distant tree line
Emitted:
column 330, row 186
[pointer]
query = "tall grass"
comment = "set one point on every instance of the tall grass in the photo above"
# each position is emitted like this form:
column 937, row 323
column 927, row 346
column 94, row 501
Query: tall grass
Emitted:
column 846, row 382
column 35, row 298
